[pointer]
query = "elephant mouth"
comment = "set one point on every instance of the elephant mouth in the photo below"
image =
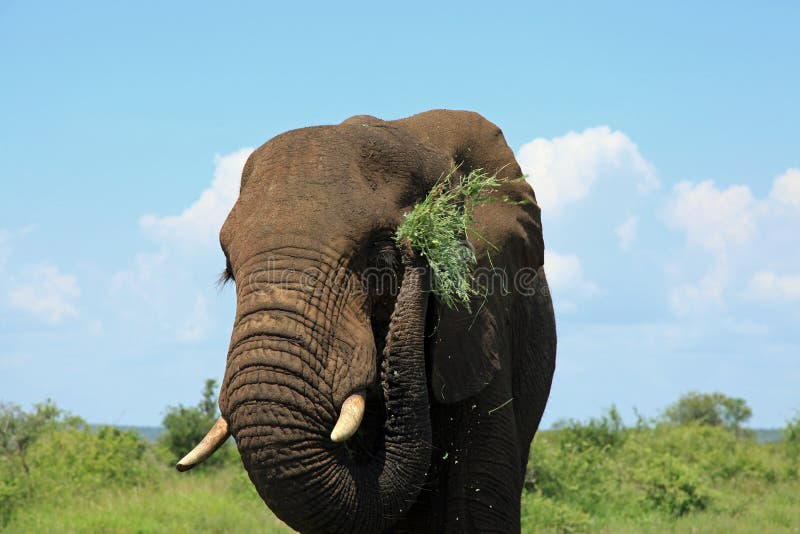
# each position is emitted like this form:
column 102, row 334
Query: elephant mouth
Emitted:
column 361, row 446
column 369, row 436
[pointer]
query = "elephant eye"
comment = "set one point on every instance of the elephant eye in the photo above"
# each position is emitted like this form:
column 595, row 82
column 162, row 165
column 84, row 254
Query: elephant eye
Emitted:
column 385, row 255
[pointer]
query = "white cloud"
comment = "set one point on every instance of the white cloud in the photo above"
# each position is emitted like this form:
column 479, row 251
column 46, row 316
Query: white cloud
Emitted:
column 173, row 289
column 786, row 189
column 741, row 235
column 562, row 170
column 7, row 237
column 705, row 295
column 174, row 281
column 199, row 224
column 146, row 267
column 766, row 285
column 47, row 294
column 626, row 232
column 195, row 326
column 719, row 221
column 565, row 274
column 5, row 247
column 712, row 218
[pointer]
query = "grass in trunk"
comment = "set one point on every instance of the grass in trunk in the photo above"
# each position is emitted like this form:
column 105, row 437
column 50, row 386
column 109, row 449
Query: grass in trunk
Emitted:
column 437, row 229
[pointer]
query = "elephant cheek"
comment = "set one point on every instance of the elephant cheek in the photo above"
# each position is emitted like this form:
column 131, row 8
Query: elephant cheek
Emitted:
column 354, row 365
column 285, row 346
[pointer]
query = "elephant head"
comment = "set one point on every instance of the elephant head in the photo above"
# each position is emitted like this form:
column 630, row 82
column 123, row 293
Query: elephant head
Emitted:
column 332, row 372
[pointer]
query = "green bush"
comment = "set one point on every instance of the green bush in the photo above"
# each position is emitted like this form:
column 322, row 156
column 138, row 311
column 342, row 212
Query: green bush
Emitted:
column 603, row 432
column 79, row 461
column 791, row 437
column 564, row 470
column 11, row 495
column 542, row 513
column 715, row 451
column 20, row 432
column 49, row 455
column 672, row 487
column 575, row 462
column 607, row 471
column 186, row 426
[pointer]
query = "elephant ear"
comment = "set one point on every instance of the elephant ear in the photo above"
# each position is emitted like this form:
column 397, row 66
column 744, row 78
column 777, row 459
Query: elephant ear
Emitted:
column 467, row 348
column 464, row 352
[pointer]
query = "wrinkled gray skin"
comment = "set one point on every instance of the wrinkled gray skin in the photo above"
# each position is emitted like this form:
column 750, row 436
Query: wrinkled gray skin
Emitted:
column 454, row 398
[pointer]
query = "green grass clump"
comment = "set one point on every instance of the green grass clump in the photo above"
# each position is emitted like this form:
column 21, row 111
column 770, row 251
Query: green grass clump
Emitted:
column 437, row 229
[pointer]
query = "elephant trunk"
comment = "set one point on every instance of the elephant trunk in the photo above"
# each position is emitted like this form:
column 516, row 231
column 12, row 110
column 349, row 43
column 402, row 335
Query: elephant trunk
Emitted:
column 277, row 398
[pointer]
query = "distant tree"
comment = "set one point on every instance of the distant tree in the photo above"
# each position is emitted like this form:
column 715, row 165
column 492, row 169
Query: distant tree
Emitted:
column 19, row 429
column 791, row 436
column 185, row 426
column 21, row 433
column 711, row 409
column 209, row 403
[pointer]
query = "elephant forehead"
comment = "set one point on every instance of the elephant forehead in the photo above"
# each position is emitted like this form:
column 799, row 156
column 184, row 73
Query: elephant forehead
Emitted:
column 334, row 222
column 348, row 155
column 332, row 184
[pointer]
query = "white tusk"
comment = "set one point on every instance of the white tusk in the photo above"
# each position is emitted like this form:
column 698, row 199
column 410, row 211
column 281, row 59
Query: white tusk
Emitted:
column 349, row 418
column 215, row 437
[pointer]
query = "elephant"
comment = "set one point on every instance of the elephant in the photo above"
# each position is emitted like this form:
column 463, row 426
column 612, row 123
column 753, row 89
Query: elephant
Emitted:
column 360, row 406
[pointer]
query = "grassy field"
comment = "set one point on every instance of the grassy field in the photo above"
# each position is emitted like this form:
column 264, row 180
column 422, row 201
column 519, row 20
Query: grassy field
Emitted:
column 218, row 501
column 224, row 501
column 594, row 476
column 751, row 509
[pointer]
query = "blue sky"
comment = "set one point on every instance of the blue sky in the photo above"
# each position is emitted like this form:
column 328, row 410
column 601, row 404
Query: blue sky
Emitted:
column 663, row 143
